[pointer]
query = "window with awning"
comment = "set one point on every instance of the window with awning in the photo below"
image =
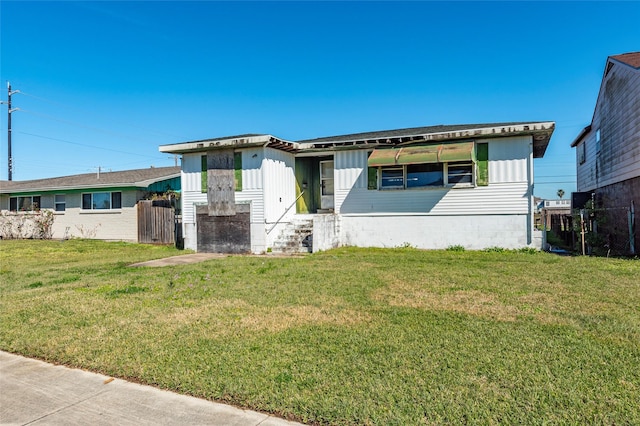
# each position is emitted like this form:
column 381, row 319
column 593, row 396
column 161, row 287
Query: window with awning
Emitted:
column 430, row 165
column 432, row 153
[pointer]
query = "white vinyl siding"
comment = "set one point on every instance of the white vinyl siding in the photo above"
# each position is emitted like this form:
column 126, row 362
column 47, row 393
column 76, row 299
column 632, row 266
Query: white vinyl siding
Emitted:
column 507, row 192
column 253, row 169
column 279, row 184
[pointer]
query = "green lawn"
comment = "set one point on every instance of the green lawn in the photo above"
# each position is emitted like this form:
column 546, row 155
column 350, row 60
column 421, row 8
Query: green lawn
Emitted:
column 349, row 336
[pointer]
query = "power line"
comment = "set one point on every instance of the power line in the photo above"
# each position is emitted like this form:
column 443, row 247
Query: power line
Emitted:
column 70, row 122
column 86, row 145
column 97, row 129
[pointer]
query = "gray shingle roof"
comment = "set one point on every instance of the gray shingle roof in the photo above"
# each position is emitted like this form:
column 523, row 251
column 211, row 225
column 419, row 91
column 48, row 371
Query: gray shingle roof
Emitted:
column 128, row 178
column 541, row 132
column 412, row 131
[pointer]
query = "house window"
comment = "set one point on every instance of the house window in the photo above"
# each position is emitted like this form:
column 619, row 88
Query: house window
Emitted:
column 459, row 174
column 582, row 151
column 421, row 175
column 24, row 204
column 59, row 202
column 102, row 200
column 598, row 136
column 426, row 175
column 454, row 164
column 392, row 177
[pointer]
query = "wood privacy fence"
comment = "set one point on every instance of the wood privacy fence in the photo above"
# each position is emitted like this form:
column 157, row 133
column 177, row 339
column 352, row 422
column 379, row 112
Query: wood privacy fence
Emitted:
column 156, row 222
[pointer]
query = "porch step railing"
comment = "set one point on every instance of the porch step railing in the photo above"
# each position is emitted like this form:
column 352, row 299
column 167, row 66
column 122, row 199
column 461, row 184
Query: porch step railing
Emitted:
column 285, row 212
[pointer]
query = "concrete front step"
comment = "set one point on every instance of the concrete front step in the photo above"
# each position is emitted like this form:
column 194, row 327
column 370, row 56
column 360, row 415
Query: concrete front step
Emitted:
column 296, row 237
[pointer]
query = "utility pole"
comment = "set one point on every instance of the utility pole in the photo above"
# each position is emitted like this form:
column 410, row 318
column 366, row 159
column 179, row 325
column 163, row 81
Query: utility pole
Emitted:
column 9, row 156
column 9, row 111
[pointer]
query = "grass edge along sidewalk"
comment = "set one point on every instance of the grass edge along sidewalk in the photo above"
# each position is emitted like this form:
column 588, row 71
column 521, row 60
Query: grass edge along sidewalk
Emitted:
column 349, row 336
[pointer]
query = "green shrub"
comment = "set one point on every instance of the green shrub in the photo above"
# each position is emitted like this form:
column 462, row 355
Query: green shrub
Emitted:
column 495, row 249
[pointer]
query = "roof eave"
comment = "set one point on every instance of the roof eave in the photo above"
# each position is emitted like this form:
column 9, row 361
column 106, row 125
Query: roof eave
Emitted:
column 541, row 132
column 61, row 188
column 240, row 142
column 581, row 136
column 147, row 182
column 66, row 188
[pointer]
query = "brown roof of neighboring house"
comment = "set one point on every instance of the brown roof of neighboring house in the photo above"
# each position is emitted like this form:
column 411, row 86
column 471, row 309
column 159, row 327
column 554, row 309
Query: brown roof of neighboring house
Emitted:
column 137, row 178
column 631, row 59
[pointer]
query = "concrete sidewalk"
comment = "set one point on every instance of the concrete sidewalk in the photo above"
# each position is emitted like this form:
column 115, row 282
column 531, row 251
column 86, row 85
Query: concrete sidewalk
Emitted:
column 37, row 393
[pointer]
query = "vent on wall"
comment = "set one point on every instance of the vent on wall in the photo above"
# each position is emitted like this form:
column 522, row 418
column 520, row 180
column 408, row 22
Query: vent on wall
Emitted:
column 609, row 66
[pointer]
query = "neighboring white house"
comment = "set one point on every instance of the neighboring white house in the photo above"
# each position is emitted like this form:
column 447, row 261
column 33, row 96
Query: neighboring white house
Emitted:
column 428, row 187
column 608, row 154
column 94, row 205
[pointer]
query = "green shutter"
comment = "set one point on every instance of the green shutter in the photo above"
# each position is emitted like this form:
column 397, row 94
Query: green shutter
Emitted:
column 203, row 173
column 237, row 164
column 482, row 164
column 372, row 182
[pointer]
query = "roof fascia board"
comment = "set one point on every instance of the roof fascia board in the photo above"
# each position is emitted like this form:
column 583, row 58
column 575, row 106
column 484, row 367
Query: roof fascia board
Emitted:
column 600, row 90
column 67, row 190
column 545, row 129
column 581, row 136
column 131, row 186
column 209, row 144
column 500, row 131
column 623, row 63
column 147, row 182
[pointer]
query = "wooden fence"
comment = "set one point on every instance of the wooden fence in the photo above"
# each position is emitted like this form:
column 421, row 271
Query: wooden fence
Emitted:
column 156, row 222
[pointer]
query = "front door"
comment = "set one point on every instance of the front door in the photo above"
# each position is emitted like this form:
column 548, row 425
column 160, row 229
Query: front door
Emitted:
column 326, row 184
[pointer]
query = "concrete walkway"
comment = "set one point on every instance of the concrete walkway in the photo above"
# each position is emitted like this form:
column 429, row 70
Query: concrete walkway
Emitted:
column 181, row 259
column 184, row 259
column 33, row 392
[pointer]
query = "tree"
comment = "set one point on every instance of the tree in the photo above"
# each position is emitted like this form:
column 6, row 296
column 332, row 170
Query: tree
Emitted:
column 560, row 193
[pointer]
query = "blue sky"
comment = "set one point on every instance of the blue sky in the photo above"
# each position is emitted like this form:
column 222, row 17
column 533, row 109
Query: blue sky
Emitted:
column 103, row 84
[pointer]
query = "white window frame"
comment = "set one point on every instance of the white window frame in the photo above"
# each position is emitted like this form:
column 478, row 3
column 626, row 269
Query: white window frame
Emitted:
column 59, row 206
column 381, row 170
column 92, row 204
column 460, row 184
column 445, row 177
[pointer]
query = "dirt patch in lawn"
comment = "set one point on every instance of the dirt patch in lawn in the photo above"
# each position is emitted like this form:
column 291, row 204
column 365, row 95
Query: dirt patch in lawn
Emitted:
column 470, row 302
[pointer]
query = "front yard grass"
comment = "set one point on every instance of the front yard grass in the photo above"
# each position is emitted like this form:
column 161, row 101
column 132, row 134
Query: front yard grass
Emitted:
column 348, row 336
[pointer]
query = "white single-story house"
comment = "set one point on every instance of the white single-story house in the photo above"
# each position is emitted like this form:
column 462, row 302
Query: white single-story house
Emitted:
column 100, row 205
column 426, row 187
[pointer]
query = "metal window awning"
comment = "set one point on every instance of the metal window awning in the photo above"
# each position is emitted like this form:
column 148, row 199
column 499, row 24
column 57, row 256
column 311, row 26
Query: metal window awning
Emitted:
column 432, row 153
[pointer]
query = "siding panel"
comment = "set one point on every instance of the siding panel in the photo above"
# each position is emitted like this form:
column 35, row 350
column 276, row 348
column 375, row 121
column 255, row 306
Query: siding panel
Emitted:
column 279, row 184
column 494, row 199
column 507, row 192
